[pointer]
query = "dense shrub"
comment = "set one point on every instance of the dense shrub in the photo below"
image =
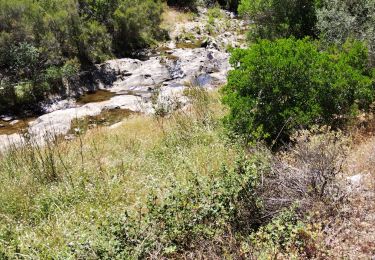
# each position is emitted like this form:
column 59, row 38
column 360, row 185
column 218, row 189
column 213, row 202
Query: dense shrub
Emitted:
column 279, row 86
column 340, row 20
column 183, row 3
column 39, row 36
column 136, row 24
column 278, row 19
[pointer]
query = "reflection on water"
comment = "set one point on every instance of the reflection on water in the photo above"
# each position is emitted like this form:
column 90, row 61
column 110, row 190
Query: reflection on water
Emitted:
column 95, row 96
column 15, row 126
column 105, row 118
column 189, row 45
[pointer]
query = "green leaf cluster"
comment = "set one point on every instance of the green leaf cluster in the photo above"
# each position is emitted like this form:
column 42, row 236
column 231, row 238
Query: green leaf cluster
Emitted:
column 279, row 86
column 37, row 37
column 279, row 18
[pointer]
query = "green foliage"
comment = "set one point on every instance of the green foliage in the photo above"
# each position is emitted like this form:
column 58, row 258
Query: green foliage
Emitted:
column 96, row 39
column 37, row 37
column 183, row 3
column 136, row 23
column 214, row 12
column 340, row 20
column 279, row 86
column 200, row 209
column 285, row 234
column 279, row 19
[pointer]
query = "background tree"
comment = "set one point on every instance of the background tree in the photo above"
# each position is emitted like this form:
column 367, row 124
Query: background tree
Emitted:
column 339, row 20
column 279, row 19
column 38, row 39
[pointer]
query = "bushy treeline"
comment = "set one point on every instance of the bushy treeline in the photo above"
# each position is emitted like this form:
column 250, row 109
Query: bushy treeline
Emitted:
column 340, row 20
column 331, row 21
column 192, row 4
column 277, row 19
column 309, row 62
column 42, row 42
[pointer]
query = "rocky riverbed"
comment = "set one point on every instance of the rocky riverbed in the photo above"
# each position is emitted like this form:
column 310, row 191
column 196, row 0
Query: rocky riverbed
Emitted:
column 146, row 85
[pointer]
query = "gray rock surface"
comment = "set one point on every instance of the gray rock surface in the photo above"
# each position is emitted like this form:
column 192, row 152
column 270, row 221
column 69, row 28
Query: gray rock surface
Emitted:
column 141, row 86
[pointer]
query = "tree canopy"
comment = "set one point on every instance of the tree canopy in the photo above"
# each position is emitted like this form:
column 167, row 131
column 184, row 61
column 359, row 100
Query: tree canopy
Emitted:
column 42, row 41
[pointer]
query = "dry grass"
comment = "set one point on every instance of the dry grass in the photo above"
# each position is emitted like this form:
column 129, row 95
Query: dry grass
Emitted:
column 351, row 234
column 104, row 173
column 307, row 172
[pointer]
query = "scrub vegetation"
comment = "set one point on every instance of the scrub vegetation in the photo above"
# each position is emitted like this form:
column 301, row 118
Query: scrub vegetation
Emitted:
column 276, row 164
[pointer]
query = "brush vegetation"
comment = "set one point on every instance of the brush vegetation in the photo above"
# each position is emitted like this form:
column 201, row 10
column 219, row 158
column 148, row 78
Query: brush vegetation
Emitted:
column 280, row 86
column 254, row 171
column 172, row 186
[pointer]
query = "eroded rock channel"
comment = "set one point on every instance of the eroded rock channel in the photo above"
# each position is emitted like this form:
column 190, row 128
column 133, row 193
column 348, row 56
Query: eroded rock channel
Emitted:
column 131, row 85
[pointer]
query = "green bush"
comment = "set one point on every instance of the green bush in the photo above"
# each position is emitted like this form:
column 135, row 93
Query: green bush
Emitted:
column 183, row 3
column 286, row 237
column 279, row 19
column 136, row 24
column 279, row 86
column 37, row 37
column 339, row 20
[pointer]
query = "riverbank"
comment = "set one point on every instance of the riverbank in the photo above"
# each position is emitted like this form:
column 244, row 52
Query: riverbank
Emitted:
column 155, row 84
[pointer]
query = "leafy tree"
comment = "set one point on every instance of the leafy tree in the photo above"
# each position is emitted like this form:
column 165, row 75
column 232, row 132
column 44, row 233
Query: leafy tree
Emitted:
column 280, row 19
column 339, row 20
column 134, row 23
column 279, row 86
column 183, row 3
column 96, row 39
column 38, row 37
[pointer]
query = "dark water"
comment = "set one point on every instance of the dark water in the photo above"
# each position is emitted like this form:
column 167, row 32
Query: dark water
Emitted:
column 105, row 118
column 19, row 126
column 192, row 45
column 95, row 96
